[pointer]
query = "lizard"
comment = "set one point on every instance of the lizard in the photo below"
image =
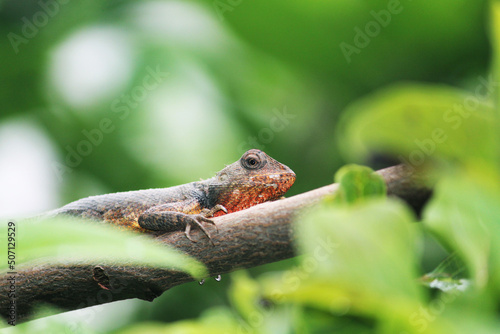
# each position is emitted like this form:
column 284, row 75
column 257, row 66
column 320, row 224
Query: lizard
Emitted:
column 255, row 178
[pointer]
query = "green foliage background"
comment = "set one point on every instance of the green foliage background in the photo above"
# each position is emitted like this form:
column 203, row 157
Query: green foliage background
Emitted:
column 420, row 86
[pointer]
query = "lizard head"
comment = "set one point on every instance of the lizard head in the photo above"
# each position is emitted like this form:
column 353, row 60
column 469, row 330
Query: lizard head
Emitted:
column 255, row 178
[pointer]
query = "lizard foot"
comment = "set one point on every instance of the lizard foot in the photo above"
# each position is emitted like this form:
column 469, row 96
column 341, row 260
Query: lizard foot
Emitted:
column 196, row 220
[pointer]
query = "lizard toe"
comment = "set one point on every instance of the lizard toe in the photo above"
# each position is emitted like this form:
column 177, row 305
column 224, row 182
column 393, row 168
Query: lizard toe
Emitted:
column 187, row 232
column 196, row 220
column 201, row 218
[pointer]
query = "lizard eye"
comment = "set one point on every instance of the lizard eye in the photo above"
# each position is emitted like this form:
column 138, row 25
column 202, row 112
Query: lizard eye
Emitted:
column 251, row 161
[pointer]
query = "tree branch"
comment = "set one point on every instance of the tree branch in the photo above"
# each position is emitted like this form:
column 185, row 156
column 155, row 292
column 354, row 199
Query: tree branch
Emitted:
column 255, row 236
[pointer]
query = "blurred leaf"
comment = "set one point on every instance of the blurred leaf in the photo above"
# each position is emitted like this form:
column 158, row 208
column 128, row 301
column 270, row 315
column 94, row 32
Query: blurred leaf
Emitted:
column 258, row 314
column 359, row 259
column 71, row 240
column 318, row 321
column 217, row 320
column 420, row 123
column 52, row 324
column 455, row 312
column 244, row 294
column 358, row 183
column 464, row 213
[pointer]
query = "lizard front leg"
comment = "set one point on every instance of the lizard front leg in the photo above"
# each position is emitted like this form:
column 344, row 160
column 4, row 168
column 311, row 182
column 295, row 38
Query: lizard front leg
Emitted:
column 169, row 217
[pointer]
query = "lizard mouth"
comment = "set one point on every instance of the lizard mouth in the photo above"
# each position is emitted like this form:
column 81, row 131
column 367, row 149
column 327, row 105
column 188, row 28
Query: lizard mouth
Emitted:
column 279, row 176
column 287, row 180
column 276, row 177
column 281, row 182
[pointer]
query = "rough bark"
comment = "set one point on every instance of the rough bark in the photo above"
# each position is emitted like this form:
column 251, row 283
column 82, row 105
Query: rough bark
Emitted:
column 248, row 238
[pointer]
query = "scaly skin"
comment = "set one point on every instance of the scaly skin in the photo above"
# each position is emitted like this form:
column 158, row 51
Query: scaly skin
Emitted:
column 255, row 178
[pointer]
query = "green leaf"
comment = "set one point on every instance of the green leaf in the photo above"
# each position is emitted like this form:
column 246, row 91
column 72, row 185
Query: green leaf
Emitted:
column 245, row 294
column 216, row 320
column 422, row 123
column 71, row 240
column 358, row 183
column 359, row 258
column 465, row 214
